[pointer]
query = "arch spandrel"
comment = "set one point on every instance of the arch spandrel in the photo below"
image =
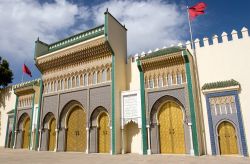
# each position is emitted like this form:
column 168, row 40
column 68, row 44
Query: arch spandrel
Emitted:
column 21, row 120
column 161, row 101
column 96, row 113
column 47, row 118
column 66, row 110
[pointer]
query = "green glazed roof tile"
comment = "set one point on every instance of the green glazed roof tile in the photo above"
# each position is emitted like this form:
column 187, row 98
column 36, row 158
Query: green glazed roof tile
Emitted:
column 161, row 52
column 220, row 84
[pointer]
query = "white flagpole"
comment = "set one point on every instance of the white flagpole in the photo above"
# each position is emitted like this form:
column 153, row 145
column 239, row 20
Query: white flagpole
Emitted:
column 22, row 76
column 197, row 77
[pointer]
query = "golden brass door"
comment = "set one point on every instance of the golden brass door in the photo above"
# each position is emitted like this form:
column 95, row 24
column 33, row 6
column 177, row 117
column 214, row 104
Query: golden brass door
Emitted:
column 76, row 134
column 227, row 139
column 104, row 134
column 52, row 135
column 171, row 129
column 26, row 133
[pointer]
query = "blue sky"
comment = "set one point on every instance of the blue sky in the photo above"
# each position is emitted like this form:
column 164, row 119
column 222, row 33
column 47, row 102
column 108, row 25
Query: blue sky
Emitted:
column 151, row 24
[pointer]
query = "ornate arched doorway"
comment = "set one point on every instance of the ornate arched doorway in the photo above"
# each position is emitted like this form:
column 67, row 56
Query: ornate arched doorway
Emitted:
column 76, row 130
column 52, row 134
column 103, row 133
column 227, row 138
column 26, row 133
column 172, row 139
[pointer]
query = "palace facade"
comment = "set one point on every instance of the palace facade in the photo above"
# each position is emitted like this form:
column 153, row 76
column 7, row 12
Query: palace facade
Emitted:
column 91, row 98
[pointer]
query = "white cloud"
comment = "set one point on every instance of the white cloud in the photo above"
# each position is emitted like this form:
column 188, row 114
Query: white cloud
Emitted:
column 150, row 24
column 22, row 21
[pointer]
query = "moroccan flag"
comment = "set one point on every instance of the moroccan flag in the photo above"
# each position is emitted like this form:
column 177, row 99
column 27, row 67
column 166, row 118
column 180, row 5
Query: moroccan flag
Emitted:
column 26, row 70
column 197, row 10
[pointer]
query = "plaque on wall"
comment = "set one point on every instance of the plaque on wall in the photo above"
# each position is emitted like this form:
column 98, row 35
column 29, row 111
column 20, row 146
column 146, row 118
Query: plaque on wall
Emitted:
column 131, row 108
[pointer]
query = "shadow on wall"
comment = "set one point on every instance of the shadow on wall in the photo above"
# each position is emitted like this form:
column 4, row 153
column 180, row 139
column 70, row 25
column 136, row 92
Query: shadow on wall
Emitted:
column 132, row 133
column 5, row 94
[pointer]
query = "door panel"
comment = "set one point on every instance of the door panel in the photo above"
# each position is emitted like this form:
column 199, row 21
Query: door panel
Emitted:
column 227, row 138
column 165, row 130
column 26, row 133
column 52, row 135
column 178, row 129
column 104, row 134
column 76, row 134
column 171, row 129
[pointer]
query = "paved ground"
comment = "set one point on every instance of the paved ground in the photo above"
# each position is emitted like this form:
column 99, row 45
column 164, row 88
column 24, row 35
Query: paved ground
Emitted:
column 9, row 156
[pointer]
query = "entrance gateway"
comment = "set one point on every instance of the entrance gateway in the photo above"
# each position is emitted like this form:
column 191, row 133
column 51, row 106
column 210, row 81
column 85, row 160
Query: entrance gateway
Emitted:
column 170, row 119
column 76, row 130
column 227, row 138
column 26, row 126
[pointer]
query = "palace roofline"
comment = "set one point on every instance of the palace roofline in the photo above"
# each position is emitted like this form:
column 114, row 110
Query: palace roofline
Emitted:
column 69, row 41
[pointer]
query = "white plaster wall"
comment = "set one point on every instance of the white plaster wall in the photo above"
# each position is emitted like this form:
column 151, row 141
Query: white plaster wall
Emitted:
column 133, row 138
column 133, row 75
column 9, row 100
column 225, row 61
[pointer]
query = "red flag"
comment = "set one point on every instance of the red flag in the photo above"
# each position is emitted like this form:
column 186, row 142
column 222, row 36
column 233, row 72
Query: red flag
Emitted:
column 26, row 70
column 197, row 10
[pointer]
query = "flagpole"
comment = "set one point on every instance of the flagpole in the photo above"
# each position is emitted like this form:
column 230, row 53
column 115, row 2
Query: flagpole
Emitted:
column 196, row 75
column 22, row 76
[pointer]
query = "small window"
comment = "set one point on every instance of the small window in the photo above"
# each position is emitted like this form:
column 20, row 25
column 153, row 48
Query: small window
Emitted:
column 49, row 88
column 217, row 109
column 73, row 81
column 95, row 78
column 160, row 81
column 77, row 81
column 69, row 83
column 179, row 78
column 85, row 80
column 55, row 86
column 213, row 109
column 169, row 79
column 233, row 106
column 62, row 85
column 58, row 85
column 151, row 83
column 223, row 109
column 228, row 108
column 104, row 75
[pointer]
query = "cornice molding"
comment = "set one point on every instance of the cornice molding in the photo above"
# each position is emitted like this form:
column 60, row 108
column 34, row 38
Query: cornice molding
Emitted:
column 162, row 61
column 76, row 55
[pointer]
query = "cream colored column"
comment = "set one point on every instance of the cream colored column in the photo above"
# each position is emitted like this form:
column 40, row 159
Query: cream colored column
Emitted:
column 191, row 139
column 87, row 149
column 123, row 144
column 15, row 138
column 57, row 131
column 40, row 137
column 149, row 138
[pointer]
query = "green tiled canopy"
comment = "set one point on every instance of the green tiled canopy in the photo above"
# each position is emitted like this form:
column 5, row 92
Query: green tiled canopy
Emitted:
column 161, row 52
column 220, row 84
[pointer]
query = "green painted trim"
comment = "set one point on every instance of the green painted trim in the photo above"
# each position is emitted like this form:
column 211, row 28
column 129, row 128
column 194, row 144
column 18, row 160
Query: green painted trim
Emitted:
column 14, row 124
column 38, row 114
column 113, row 105
column 7, row 132
column 143, row 110
column 11, row 111
column 106, row 25
column 31, row 122
column 191, row 103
